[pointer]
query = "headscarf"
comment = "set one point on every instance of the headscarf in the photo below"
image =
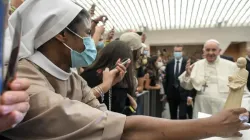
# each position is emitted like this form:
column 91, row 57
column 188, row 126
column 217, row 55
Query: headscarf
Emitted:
column 41, row 21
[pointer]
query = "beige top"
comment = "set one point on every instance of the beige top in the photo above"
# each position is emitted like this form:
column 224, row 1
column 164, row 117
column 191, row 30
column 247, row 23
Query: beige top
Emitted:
column 63, row 110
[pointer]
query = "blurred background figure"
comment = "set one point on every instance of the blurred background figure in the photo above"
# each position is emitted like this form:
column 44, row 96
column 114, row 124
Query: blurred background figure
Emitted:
column 120, row 97
column 153, row 84
column 229, row 58
column 248, row 66
column 14, row 4
column 110, row 36
column 134, row 42
column 152, row 73
column 209, row 77
column 177, row 97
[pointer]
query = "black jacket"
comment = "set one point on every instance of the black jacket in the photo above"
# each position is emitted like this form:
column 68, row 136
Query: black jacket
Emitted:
column 170, row 77
column 249, row 117
column 229, row 58
column 248, row 79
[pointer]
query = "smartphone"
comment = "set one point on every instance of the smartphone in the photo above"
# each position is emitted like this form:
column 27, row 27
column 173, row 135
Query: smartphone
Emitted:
column 93, row 7
column 124, row 62
column 12, row 64
column 105, row 19
column 92, row 10
column 3, row 14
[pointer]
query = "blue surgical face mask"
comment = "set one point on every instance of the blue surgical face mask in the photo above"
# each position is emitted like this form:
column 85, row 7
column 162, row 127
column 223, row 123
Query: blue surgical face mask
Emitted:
column 145, row 52
column 100, row 45
column 85, row 58
column 177, row 55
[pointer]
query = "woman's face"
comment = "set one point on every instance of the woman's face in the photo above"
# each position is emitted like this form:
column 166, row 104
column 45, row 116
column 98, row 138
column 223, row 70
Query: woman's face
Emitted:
column 159, row 62
column 76, row 42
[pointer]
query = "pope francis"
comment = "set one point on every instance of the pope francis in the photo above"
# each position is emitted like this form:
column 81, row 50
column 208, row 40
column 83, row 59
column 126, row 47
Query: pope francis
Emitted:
column 209, row 77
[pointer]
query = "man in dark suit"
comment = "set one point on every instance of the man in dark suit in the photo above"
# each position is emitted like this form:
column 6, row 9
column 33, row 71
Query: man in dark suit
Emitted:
column 176, row 95
column 229, row 58
column 248, row 67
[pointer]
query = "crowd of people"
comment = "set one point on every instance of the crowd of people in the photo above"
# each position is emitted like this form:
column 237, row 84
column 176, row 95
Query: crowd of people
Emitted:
column 73, row 82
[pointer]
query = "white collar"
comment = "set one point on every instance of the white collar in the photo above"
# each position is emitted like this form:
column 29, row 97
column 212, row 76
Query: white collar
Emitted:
column 215, row 62
column 180, row 60
column 39, row 59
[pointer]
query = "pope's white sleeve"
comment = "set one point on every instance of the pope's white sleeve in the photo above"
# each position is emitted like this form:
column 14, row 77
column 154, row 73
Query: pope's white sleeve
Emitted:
column 185, row 81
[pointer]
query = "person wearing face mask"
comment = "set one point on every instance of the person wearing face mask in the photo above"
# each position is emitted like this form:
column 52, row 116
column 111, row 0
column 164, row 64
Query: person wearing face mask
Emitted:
column 50, row 46
column 153, row 84
column 177, row 97
column 56, row 38
column 152, row 73
column 145, row 55
column 209, row 77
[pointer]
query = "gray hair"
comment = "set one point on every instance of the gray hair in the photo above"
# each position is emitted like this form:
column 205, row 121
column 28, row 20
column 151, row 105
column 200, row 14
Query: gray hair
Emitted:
column 212, row 40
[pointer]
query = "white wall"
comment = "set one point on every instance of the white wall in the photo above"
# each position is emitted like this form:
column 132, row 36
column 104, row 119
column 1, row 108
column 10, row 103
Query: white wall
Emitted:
column 198, row 36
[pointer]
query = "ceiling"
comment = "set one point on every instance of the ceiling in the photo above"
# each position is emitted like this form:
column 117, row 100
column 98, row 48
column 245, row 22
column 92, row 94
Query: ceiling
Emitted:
column 150, row 15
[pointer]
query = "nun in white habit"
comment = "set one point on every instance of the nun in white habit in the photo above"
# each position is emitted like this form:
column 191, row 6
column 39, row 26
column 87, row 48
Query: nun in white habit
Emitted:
column 55, row 38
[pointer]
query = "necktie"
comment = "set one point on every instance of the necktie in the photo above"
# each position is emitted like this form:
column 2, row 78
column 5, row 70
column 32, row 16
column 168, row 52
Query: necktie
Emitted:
column 176, row 81
column 177, row 68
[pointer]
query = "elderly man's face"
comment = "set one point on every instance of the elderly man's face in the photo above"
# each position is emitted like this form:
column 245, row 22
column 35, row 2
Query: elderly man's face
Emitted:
column 211, row 51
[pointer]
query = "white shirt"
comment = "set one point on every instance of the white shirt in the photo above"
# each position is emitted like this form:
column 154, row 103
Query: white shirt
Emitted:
column 175, row 64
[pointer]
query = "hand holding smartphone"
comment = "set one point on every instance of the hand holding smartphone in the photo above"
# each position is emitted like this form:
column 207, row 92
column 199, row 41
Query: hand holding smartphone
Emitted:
column 92, row 10
column 12, row 64
column 124, row 63
column 3, row 15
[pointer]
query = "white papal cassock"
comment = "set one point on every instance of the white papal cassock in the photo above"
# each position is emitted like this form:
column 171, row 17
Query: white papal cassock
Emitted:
column 211, row 80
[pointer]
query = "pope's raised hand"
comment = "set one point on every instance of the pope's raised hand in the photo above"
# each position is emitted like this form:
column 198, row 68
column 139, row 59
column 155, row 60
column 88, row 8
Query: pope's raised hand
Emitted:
column 189, row 68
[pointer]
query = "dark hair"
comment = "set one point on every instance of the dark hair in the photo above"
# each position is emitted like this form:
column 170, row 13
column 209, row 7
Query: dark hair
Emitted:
column 136, row 55
column 179, row 46
column 108, row 57
column 83, row 15
column 140, row 33
column 152, row 69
